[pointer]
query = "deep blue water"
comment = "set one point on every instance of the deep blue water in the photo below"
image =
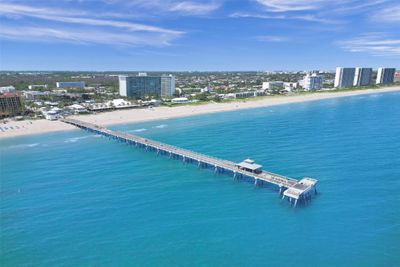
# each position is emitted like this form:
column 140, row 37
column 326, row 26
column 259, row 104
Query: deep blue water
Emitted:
column 75, row 199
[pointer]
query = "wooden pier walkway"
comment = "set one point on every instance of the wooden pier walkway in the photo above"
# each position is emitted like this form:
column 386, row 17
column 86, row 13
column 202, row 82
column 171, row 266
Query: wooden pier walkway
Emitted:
column 293, row 189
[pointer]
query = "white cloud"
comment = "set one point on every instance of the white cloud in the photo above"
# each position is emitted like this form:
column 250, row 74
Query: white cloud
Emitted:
column 51, row 34
column 185, row 8
column 291, row 5
column 272, row 38
column 375, row 44
column 194, row 8
column 256, row 15
column 389, row 14
column 310, row 18
column 90, row 29
column 59, row 15
column 323, row 11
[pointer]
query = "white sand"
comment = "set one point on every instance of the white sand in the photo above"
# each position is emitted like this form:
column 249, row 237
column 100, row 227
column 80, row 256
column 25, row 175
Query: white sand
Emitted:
column 158, row 113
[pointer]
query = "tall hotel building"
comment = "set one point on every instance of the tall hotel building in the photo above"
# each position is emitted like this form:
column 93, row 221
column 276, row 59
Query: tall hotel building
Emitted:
column 10, row 105
column 362, row 76
column 143, row 85
column 344, row 77
column 385, row 75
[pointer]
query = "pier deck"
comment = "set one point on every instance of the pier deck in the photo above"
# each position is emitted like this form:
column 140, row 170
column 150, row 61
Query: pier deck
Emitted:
column 293, row 189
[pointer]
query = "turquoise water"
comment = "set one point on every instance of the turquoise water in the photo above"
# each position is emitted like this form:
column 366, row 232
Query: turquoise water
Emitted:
column 76, row 199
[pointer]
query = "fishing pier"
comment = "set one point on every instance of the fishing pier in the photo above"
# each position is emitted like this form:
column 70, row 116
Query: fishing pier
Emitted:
column 295, row 191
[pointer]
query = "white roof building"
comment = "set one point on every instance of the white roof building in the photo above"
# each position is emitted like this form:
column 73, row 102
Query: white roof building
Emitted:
column 7, row 89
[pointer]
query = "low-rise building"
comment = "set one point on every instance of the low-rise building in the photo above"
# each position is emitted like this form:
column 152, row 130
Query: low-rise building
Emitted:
column 77, row 109
column 52, row 115
column 180, row 100
column 80, row 85
column 276, row 85
column 33, row 95
column 7, row 89
column 290, row 86
column 37, row 86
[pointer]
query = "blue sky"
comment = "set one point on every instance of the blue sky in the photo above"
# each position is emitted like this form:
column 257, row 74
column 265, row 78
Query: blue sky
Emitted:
column 178, row 35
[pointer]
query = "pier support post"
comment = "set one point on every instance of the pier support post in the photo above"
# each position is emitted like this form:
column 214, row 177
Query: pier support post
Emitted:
column 199, row 164
column 215, row 169
column 255, row 181
column 234, row 174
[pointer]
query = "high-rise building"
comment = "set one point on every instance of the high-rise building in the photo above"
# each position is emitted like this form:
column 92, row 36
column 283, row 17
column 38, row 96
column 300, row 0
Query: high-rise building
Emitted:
column 397, row 77
column 10, row 105
column 344, row 77
column 143, row 85
column 385, row 75
column 312, row 81
column 167, row 86
column 80, row 85
column 362, row 76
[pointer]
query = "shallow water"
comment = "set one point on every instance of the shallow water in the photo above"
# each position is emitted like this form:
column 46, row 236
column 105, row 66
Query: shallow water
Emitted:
column 77, row 199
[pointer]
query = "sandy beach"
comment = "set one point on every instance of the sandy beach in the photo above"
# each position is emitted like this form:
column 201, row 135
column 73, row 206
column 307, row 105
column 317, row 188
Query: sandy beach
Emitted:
column 20, row 128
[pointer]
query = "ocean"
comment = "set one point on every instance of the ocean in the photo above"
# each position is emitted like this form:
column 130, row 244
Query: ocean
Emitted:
column 76, row 199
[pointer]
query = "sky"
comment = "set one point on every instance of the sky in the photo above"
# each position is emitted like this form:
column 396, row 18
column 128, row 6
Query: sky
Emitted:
column 195, row 35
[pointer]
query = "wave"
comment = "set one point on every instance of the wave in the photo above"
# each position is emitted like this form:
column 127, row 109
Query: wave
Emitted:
column 76, row 139
column 138, row 130
column 160, row 126
column 24, row 145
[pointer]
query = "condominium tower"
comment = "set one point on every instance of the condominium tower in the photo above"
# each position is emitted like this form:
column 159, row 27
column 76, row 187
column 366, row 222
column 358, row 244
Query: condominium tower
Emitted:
column 143, row 85
column 385, row 75
column 362, row 76
column 312, row 81
column 344, row 77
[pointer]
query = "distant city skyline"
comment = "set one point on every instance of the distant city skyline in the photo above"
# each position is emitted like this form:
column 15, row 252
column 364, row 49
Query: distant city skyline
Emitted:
column 214, row 35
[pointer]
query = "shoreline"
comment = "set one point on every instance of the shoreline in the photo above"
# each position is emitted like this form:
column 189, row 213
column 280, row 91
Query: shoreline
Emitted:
column 23, row 128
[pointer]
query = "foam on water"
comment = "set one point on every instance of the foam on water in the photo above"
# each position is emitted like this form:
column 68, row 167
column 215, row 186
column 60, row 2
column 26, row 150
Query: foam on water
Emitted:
column 160, row 126
column 138, row 130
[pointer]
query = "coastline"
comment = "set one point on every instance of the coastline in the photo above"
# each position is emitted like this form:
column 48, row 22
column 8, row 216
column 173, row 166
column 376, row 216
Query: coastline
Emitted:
column 22, row 128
